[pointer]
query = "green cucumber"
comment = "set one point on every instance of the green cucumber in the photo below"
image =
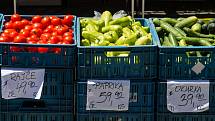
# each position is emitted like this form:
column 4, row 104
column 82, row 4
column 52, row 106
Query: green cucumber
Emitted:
column 187, row 22
column 161, row 40
column 181, row 31
column 196, row 27
column 211, row 28
column 170, row 21
column 180, row 19
column 158, row 29
column 198, row 53
column 166, row 42
column 173, row 40
column 204, row 28
column 182, row 43
column 156, row 21
column 196, row 41
column 196, row 34
column 200, row 21
column 164, row 25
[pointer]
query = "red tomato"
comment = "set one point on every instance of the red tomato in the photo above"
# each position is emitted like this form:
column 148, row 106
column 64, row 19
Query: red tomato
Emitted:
column 67, row 20
column 25, row 22
column 28, row 39
column 54, row 34
column 32, row 49
column 46, row 21
column 15, row 49
column 57, row 50
column 68, row 39
column 67, row 34
column 8, row 25
column 66, row 42
column 61, row 29
column 36, row 19
column 28, row 27
column 53, row 40
column 19, row 39
column 38, row 25
column 56, row 21
column 18, row 25
column 59, row 43
column 4, row 39
column 8, row 31
column 49, row 29
column 60, row 38
column 15, row 17
column 24, row 32
column 5, row 34
column 45, row 36
column 42, row 49
column 52, row 17
column 32, row 38
column 70, row 30
column 13, row 34
column 36, row 31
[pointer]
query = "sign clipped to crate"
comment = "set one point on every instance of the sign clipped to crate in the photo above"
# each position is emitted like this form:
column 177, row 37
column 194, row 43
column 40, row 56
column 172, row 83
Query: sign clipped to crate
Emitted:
column 22, row 83
column 108, row 95
column 188, row 96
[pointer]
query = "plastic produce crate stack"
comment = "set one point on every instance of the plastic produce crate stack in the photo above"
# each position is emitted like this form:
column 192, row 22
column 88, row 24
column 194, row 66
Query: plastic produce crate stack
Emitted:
column 1, row 18
column 93, row 62
column 57, row 99
column 175, row 63
column 139, row 67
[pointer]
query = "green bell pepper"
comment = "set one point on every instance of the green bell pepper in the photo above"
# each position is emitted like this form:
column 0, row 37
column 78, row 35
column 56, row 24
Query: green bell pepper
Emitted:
column 85, row 42
column 111, row 36
column 144, row 40
column 121, row 20
column 106, row 17
column 116, row 28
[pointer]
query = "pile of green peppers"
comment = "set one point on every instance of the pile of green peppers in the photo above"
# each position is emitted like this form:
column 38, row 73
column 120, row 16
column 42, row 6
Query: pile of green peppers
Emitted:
column 107, row 31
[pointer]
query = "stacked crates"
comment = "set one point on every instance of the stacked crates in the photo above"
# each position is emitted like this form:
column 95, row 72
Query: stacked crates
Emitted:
column 140, row 67
column 175, row 64
column 57, row 99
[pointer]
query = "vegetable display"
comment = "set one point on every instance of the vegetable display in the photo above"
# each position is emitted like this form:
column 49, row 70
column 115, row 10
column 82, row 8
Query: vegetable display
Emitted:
column 189, row 31
column 108, row 31
column 38, row 30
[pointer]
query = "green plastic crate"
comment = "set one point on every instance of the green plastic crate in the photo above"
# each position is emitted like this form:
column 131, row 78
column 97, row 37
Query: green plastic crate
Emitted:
column 65, row 59
column 16, row 116
column 174, row 63
column 94, row 64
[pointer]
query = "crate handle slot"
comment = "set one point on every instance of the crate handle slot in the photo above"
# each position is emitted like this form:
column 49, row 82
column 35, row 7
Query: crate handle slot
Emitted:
column 117, row 53
column 34, row 104
column 198, row 54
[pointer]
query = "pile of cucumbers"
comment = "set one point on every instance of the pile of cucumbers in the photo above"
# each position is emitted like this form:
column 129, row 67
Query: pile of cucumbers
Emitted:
column 189, row 31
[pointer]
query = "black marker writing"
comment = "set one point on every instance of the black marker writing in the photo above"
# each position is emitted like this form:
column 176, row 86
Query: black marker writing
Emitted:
column 106, row 95
column 108, row 85
column 27, row 75
column 188, row 89
column 118, row 95
column 185, row 99
column 121, row 106
column 11, row 94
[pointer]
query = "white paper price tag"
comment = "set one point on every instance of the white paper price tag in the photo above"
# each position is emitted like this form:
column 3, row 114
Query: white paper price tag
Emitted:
column 21, row 83
column 188, row 95
column 108, row 95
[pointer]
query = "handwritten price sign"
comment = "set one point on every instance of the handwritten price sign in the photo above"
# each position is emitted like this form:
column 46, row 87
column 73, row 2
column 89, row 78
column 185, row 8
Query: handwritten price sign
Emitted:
column 108, row 95
column 21, row 83
column 188, row 96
